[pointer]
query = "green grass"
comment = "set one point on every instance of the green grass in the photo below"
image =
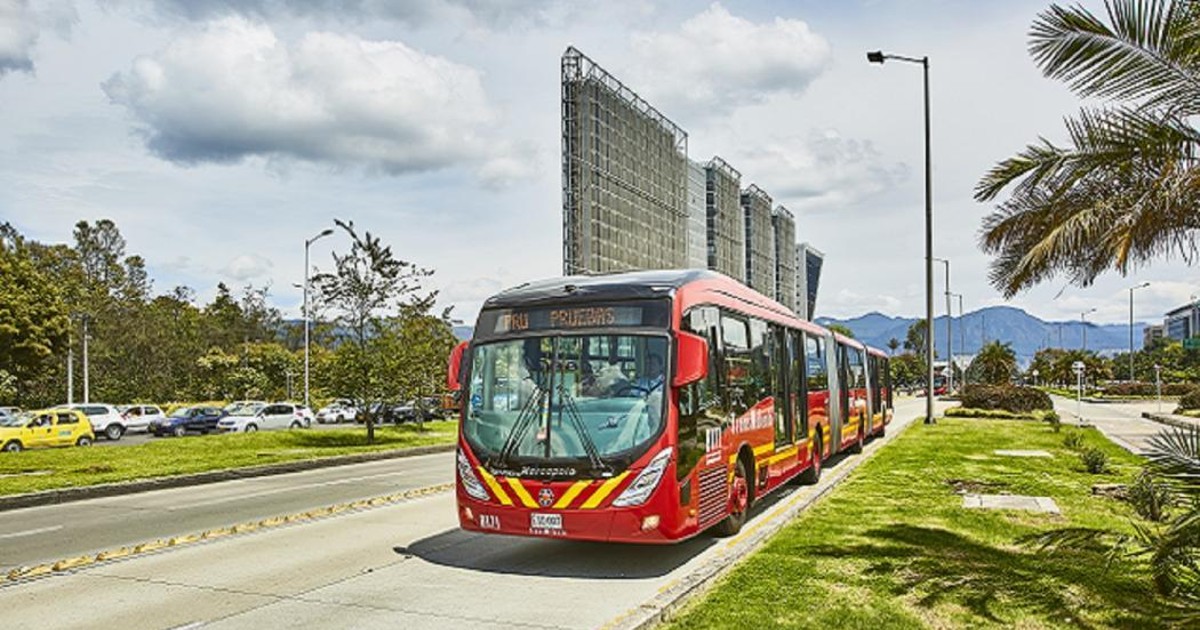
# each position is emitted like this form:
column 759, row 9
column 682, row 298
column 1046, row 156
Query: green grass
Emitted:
column 995, row 414
column 893, row 548
column 47, row 469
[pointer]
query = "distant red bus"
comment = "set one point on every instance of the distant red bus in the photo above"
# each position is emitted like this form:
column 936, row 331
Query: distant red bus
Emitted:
column 649, row 406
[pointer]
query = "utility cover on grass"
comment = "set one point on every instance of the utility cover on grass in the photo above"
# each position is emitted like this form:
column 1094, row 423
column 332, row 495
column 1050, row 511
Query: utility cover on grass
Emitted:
column 1010, row 502
column 1018, row 453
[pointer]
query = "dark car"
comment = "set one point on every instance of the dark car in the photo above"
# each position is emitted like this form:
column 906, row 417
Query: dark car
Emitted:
column 188, row 420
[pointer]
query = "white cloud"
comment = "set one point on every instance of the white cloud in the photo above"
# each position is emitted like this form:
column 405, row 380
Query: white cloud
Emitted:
column 248, row 267
column 21, row 26
column 717, row 62
column 823, row 171
column 234, row 90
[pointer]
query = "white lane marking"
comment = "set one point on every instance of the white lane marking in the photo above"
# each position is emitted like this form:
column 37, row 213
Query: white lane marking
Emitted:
column 31, row 532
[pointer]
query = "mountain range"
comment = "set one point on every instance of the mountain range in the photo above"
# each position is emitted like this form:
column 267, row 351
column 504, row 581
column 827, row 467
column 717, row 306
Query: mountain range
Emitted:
column 1026, row 333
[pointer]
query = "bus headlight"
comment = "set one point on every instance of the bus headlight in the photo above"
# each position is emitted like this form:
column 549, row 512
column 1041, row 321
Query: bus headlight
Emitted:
column 469, row 481
column 646, row 482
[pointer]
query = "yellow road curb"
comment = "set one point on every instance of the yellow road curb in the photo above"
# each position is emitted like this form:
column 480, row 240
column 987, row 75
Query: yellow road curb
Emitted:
column 21, row 574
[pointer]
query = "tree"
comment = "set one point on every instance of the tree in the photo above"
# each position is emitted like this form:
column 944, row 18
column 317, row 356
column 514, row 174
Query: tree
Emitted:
column 1124, row 191
column 995, row 364
column 365, row 284
column 914, row 339
column 893, row 344
column 841, row 329
column 33, row 319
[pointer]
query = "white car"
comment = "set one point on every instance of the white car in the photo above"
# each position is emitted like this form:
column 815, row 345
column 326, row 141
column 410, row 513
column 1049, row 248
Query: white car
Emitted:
column 106, row 419
column 139, row 417
column 338, row 411
column 273, row 416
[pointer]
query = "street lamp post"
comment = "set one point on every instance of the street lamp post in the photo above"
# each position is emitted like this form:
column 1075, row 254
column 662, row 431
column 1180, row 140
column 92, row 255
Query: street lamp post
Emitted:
column 1083, row 325
column 1158, row 384
column 1131, row 290
column 879, row 57
column 1078, row 367
column 949, row 330
column 307, row 244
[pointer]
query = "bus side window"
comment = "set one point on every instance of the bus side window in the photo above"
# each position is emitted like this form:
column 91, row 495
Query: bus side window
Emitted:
column 818, row 379
column 700, row 406
column 761, row 384
column 735, row 343
column 798, row 388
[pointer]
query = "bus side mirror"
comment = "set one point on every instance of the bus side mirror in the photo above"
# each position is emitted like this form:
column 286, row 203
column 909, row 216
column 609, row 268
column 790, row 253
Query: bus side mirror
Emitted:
column 691, row 359
column 455, row 367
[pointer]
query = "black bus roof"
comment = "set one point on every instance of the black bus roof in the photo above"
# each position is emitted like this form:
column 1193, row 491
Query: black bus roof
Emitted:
column 617, row 286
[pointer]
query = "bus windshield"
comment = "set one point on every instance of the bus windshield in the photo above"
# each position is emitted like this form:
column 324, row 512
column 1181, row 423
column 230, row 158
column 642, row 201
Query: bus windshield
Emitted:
column 588, row 401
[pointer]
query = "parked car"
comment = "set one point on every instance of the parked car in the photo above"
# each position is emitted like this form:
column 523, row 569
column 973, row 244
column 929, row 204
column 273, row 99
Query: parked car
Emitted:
column 9, row 411
column 337, row 411
column 188, row 419
column 244, row 407
column 106, row 419
column 425, row 409
column 49, row 427
column 139, row 417
column 273, row 416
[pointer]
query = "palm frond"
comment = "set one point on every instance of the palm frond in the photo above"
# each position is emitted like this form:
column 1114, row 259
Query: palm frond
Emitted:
column 1175, row 455
column 1147, row 51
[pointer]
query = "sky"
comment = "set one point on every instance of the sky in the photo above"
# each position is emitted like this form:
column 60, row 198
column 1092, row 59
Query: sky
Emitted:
column 220, row 134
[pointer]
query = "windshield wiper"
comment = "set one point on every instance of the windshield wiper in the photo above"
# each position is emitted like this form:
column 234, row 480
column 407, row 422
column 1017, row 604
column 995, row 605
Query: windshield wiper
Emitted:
column 568, row 401
column 524, row 419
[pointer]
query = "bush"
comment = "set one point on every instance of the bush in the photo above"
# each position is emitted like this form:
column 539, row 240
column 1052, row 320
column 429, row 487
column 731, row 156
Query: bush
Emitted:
column 1149, row 497
column 1007, row 397
column 1094, row 460
column 1147, row 389
column 1053, row 418
column 1190, row 400
column 1179, row 389
column 1073, row 440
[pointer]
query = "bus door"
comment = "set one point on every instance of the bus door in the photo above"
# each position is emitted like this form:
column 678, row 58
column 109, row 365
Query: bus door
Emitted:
column 785, row 459
column 837, row 395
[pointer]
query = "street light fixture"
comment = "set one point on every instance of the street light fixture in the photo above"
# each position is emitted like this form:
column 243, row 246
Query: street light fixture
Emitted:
column 1083, row 325
column 307, row 244
column 879, row 57
column 1131, row 290
column 949, row 329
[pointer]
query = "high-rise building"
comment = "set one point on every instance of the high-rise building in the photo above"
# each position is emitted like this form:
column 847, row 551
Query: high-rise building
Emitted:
column 726, row 224
column 783, row 226
column 760, row 240
column 808, row 278
column 697, row 234
column 624, row 176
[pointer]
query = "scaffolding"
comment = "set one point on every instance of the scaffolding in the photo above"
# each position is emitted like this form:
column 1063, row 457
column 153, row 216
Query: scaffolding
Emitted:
column 784, row 227
column 625, row 176
column 760, row 240
column 697, row 234
column 726, row 224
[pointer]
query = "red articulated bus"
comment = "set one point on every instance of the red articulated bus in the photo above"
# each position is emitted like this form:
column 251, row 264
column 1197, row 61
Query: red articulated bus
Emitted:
column 649, row 406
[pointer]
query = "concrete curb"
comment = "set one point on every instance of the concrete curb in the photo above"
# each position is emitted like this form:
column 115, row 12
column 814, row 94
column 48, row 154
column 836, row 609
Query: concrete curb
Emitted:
column 66, row 495
column 671, row 598
column 1170, row 419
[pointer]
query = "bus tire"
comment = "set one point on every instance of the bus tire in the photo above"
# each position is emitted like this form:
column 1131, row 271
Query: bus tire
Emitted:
column 740, row 498
column 812, row 474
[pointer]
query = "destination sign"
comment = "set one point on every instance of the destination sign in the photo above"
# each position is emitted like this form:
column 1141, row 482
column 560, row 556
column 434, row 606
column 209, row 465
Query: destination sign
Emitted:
column 646, row 313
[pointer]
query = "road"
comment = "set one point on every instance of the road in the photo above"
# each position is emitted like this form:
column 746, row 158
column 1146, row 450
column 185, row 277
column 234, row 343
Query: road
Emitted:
column 141, row 437
column 1122, row 422
column 405, row 564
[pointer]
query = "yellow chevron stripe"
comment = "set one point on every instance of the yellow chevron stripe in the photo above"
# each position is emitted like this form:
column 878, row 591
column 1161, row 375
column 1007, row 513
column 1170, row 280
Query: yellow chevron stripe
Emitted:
column 603, row 491
column 497, row 489
column 521, row 493
column 565, row 500
column 765, row 448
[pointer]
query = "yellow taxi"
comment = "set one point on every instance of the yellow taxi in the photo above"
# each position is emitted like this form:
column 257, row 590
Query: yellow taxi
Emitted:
column 48, row 427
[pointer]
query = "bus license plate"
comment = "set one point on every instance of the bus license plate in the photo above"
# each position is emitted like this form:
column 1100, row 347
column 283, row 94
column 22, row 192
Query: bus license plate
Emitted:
column 545, row 521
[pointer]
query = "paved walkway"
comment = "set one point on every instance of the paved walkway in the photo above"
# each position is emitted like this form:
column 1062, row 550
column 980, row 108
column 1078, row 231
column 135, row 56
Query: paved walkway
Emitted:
column 1121, row 422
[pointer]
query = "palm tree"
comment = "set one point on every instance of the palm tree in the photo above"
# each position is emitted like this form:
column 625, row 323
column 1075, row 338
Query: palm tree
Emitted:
column 1126, row 188
column 995, row 364
column 893, row 344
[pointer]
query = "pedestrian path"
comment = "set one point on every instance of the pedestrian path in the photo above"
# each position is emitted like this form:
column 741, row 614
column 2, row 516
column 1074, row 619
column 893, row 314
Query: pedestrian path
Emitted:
column 1120, row 422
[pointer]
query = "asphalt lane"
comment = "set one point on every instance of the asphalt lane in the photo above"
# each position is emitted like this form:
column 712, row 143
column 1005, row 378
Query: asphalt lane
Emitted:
column 48, row 533
column 402, row 565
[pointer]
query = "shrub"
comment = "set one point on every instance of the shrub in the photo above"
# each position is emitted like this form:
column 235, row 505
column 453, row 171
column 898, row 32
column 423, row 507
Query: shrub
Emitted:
column 1149, row 497
column 1129, row 389
column 1178, row 389
column 1190, row 400
column 1053, row 418
column 1073, row 440
column 1007, row 397
column 1094, row 460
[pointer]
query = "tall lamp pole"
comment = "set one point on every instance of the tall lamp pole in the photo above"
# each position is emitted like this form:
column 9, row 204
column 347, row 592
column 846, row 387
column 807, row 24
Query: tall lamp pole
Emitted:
column 878, row 56
column 1083, row 325
column 962, row 335
column 949, row 330
column 307, row 244
column 1131, row 290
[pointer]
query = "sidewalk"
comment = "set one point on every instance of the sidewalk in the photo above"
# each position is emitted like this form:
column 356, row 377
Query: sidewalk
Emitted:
column 1122, row 423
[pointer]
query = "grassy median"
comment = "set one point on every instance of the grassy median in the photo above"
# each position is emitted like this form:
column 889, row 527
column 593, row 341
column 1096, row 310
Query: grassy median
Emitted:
column 893, row 548
column 48, row 469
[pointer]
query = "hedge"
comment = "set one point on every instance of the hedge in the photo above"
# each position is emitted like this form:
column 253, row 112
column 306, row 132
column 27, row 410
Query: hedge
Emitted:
column 1012, row 398
column 1147, row 389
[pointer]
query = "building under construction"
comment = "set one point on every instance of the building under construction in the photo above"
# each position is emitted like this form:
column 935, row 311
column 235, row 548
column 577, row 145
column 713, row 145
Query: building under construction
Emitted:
column 697, row 232
column 625, row 172
column 760, row 240
column 726, row 224
column 784, row 228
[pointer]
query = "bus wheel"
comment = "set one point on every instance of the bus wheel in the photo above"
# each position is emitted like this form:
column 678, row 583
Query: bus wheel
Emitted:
column 813, row 474
column 741, row 502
